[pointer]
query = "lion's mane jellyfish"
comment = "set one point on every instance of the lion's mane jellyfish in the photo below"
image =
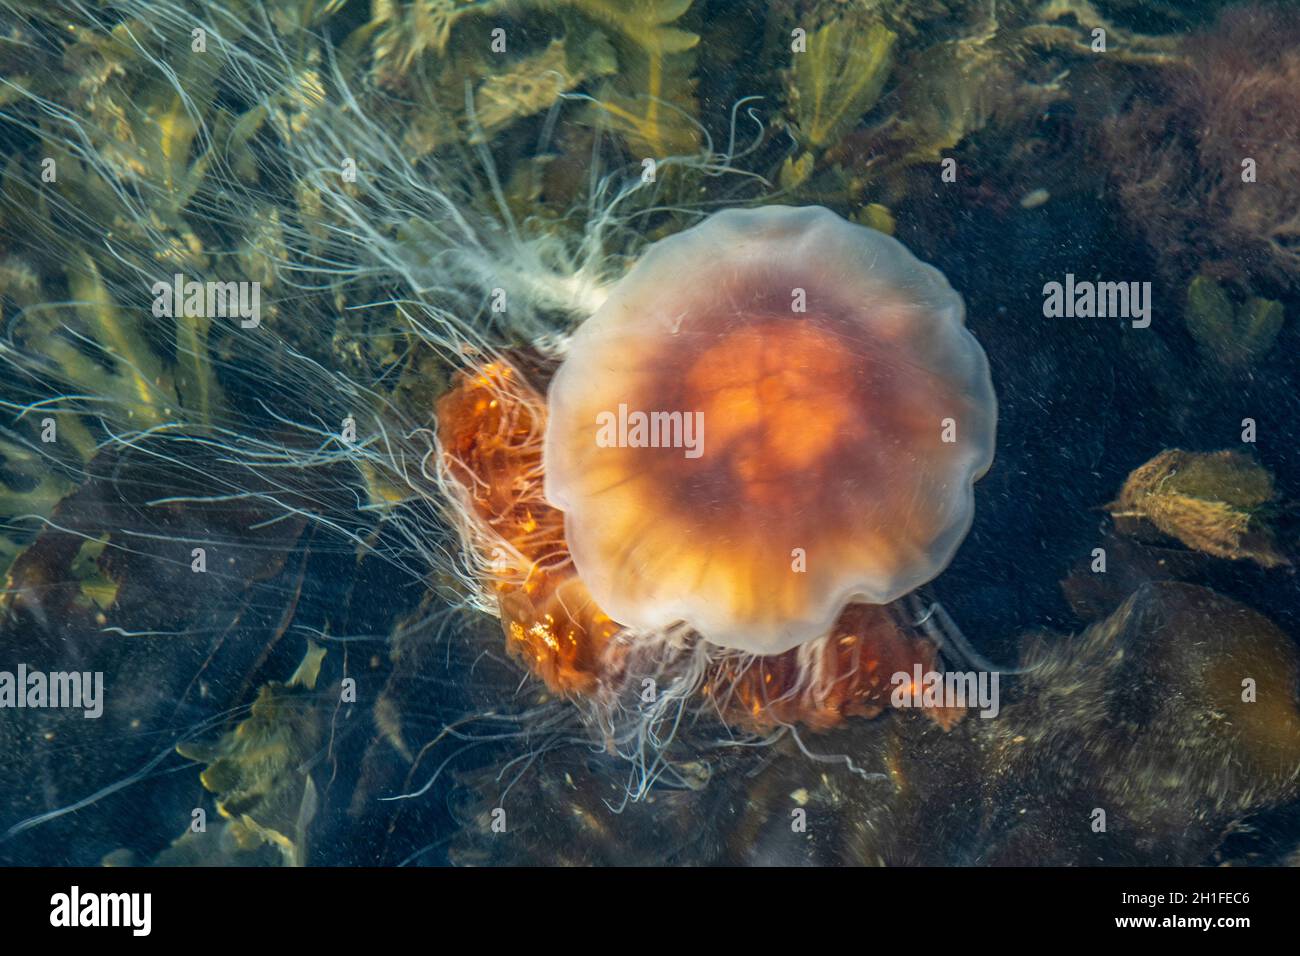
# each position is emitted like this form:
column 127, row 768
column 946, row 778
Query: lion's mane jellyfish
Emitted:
column 767, row 433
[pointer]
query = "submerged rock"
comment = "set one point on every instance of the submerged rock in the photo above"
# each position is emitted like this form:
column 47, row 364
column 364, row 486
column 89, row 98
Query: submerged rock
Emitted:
column 1144, row 740
column 1176, row 716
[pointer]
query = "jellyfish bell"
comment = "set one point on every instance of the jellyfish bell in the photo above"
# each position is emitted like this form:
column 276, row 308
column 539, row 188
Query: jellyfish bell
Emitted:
column 774, row 415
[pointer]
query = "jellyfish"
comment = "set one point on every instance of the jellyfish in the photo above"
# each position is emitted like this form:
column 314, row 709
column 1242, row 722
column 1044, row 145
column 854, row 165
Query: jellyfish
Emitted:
column 765, row 436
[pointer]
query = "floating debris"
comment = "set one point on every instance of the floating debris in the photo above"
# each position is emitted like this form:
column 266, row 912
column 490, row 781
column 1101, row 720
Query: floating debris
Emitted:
column 1035, row 198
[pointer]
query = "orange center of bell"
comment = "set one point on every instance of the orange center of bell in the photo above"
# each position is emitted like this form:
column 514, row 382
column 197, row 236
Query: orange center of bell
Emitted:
column 774, row 400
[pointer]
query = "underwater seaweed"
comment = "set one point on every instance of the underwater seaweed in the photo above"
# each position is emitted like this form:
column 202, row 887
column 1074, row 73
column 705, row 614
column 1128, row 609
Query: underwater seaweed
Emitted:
column 1234, row 336
column 839, row 77
column 963, row 79
column 640, row 62
column 260, row 771
column 1203, row 157
column 1213, row 503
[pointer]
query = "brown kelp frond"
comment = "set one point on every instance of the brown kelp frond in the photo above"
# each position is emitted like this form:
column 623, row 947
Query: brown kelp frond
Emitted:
column 1215, row 503
column 839, row 77
column 1231, row 335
